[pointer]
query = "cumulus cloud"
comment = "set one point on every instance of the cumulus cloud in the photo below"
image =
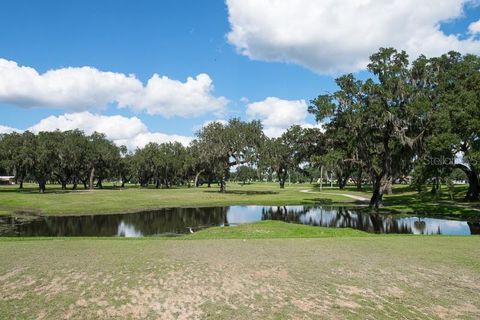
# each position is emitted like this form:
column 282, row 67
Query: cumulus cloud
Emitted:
column 169, row 97
column 332, row 36
column 131, row 132
column 277, row 115
column 141, row 139
column 115, row 127
column 5, row 129
column 474, row 28
column 86, row 88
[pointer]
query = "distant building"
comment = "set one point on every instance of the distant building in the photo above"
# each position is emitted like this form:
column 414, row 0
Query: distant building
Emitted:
column 7, row 179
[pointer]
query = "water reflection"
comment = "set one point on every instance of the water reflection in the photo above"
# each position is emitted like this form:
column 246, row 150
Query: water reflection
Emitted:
column 182, row 220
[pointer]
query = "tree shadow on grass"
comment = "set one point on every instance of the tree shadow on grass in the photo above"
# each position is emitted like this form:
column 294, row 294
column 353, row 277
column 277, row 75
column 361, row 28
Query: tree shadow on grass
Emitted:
column 35, row 191
column 318, row 201
column 424, row 204
column 242, row 192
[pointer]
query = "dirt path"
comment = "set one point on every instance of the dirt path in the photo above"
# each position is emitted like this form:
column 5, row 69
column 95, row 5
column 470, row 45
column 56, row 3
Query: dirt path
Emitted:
column 358, row 198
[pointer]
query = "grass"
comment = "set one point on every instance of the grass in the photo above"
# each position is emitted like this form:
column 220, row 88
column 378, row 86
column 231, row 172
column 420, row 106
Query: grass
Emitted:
column 116, row 200
column 373, row 276
column 131, row 199
column 406, row 200
column 272, row 229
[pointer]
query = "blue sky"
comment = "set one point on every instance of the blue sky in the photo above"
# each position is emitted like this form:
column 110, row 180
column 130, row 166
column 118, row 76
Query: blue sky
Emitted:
column 180, row 39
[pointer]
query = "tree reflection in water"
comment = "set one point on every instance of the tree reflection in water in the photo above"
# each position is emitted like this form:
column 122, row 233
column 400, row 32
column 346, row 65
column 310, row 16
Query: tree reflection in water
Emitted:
column 181, row 220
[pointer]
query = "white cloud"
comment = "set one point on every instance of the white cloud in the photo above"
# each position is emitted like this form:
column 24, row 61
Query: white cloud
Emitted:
column 115, row 127
column 169, row 97
column 244, row 100
column 278, row 115
column 68, row 88
column 333, row 36
column 141, row 139
column 206, row 123
column 86, row 88
column 5, row 129
column 474, row 27
column 131, row 132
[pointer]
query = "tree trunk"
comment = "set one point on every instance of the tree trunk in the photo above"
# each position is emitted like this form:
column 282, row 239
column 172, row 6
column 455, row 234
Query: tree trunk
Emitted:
column 376, row 198
column 380, row 187
column 223, row 184
column 359, row 179
column 321, row 178
column 223, row 187
column 282, row 177
column 41, row 186
column 436, row 188
column 21, row 184
column 92, row 175
column 198, row 176
column 474, row 227
column 473, row 193
column 99, row 184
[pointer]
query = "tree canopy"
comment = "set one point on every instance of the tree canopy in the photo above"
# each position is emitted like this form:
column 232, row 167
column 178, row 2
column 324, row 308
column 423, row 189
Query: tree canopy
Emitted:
column 415, row 121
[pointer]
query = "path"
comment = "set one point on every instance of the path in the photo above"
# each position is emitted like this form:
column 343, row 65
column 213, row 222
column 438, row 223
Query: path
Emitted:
column 358, row 198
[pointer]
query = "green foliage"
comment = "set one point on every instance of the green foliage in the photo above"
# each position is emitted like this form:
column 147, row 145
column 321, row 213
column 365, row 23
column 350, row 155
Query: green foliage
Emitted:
column 426, row 110
column 245, row 174
column 226, row 145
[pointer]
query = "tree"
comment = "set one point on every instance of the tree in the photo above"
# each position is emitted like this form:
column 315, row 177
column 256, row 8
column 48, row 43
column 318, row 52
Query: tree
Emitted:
column 102, row 156
column 15, row 151
column 44, row 158
column 171, row 160
column 275, row 155
column 387, row 117
column 245, row 173
column 459, row 95
column 145, row 163
column 70, row 147
column 126, row 166
column 227, row 145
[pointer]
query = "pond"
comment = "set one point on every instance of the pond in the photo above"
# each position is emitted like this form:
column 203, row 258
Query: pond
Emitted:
column 174, row 221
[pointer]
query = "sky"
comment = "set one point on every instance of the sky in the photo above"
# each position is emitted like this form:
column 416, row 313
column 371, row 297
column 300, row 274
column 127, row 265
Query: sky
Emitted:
column 142, row 71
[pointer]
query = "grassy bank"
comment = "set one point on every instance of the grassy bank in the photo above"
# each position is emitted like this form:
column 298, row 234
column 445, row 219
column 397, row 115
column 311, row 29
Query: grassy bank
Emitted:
column 272, row 230
column 336, row 277
column 117, row 200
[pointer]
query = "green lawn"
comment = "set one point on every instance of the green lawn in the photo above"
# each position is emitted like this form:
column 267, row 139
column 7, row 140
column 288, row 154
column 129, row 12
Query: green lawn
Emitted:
column 117, row 200
column 341, row 276
column 272, row 229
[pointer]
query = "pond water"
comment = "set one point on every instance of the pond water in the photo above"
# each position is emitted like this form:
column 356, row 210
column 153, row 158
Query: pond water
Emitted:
column 176, row 221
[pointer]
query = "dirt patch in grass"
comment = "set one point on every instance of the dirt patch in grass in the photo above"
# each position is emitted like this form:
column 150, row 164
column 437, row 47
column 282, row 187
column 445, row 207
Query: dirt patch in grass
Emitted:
column 380, row 277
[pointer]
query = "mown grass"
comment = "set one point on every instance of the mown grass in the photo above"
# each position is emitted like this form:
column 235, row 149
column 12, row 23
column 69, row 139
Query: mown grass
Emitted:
column 272, row 229
column 374, row 276
column 406, row 200
column 116, row 200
